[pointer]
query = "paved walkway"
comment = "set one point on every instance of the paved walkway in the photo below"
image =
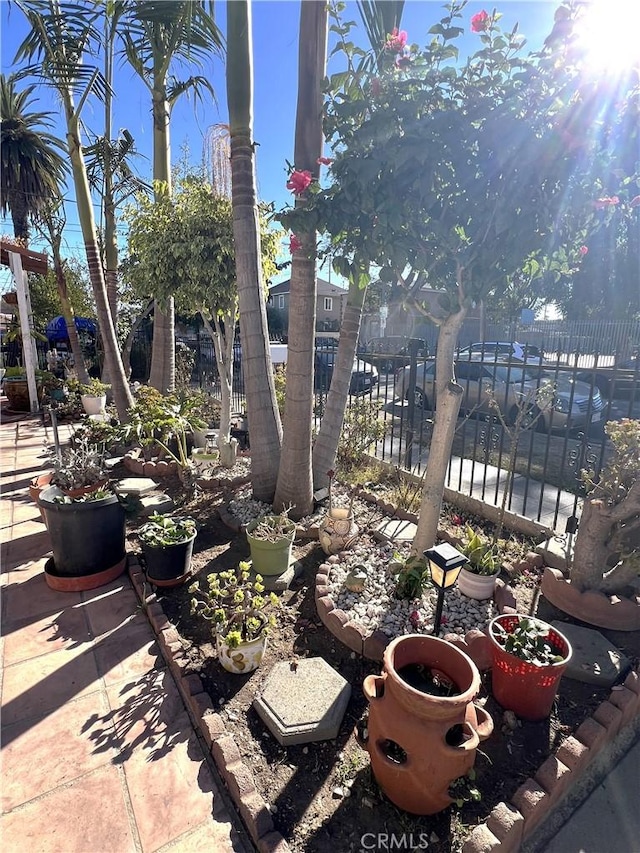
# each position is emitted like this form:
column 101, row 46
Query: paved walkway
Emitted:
column 98, row 752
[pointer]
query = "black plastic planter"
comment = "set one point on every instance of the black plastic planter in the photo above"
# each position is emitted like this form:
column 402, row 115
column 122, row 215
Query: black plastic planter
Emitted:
column 87, row 539
column 169, row 565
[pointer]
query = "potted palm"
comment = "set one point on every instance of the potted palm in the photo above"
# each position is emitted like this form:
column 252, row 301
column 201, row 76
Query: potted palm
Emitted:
column 270, row 540
column 234, row 602
column 167, row 545
column 477, row 578
column 529, row 658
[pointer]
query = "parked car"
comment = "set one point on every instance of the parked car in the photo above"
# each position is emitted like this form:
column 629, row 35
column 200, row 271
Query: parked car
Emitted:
column 390, row 353
column 503, row 350
column 364, row 377
column 620, row 380
column 567, row 404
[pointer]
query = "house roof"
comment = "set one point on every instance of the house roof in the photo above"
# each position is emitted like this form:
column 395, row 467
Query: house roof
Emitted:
column 325, row 288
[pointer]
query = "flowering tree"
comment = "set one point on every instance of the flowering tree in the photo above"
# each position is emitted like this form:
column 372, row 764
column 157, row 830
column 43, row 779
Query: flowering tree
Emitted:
column 451, row 176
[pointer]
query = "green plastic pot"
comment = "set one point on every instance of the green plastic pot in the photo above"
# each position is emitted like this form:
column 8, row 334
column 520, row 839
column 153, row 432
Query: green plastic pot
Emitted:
column 270, row 558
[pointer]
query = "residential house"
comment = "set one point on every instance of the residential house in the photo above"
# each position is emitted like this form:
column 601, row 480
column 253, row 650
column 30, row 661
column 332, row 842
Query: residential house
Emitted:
column 330, row 304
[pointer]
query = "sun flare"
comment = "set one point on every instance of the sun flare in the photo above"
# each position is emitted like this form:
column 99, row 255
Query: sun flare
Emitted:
column 608, row 35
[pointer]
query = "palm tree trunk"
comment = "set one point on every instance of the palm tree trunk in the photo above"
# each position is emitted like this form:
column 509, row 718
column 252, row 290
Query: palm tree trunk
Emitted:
column 119, row 385
column 69, row 318
column 128, row 346
column 262, row 410
column 295, row 480
column 326, row 444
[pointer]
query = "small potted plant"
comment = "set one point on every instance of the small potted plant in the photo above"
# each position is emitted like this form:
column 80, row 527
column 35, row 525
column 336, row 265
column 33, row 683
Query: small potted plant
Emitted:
column 167, row 545
column 234, row 602
column 270, row 540
column 338, row 530
column 94, row 397
column 477, row 578
column 529, row 658
column 77, row 470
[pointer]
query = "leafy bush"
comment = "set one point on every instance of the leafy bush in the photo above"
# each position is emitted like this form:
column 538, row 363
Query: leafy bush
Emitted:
column 361, row 428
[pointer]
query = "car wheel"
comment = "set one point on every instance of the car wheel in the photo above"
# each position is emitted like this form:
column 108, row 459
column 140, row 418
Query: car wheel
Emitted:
column 419, row 398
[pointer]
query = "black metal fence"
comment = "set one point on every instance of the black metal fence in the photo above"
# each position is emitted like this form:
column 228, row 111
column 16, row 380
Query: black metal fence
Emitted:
column 527, row 428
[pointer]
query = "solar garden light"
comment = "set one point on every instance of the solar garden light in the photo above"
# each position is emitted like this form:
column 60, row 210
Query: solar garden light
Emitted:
column 445, row 563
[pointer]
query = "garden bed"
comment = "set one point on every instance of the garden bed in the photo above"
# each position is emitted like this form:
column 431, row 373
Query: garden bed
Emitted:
column 322, row 795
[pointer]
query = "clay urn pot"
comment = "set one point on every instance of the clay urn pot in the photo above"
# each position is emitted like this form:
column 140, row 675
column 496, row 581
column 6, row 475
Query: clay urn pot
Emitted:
column 419, row 742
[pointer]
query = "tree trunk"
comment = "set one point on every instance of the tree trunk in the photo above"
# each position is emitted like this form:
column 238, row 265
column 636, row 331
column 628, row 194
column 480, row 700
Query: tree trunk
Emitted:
column 295, row 481
column 223, row 346
column 19, row 215
column 608, row 533
column 447, row 403
column 119, row 385
column 69, row 318
column 326, row 443
column 128, row 346
column 262, row 410
column 163, row 356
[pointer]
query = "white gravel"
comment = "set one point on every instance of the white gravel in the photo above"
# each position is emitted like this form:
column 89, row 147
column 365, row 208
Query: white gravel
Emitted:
column 376, row 607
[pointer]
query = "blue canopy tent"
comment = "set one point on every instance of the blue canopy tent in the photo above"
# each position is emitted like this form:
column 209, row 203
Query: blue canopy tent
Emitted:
column 57, row 328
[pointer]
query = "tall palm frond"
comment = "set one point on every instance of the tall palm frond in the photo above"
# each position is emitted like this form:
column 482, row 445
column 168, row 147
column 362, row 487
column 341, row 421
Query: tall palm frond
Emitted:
column 32, row 170
column 379, row 17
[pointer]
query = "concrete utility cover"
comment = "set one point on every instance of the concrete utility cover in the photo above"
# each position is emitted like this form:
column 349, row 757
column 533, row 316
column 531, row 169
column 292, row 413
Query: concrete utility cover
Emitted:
column 135, row 486
column 303, row 701
column 595, row 660
column 554, row 552
column 397, row 530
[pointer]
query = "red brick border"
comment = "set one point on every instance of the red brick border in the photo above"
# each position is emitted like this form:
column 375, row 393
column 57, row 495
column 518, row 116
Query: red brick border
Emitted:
column 237, row 775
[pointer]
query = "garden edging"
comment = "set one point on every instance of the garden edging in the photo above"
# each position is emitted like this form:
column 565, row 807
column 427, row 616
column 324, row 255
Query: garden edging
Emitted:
column 507, row 826
column 237, row 775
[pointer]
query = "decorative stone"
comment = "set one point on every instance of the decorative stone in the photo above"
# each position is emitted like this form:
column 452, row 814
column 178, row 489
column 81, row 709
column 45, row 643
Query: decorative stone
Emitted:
column 156, row 502
column 356, row 580
column 303, row 702
column 595, row 660
column 135, row 486
column 554, row 552
column 396, row 530
column 278, row 583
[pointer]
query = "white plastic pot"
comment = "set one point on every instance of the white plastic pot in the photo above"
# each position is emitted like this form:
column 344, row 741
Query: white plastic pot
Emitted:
column 479, row 587
column 94, row 405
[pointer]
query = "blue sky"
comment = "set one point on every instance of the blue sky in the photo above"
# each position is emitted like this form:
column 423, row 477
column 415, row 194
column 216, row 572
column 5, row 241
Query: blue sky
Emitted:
column 275, row 36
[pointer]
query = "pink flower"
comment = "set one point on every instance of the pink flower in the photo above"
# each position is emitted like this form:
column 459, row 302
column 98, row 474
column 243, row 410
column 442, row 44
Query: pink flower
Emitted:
column 457, row 519
column 444, row 621
column 396, row 41
column 583, row 250
column 635, row 202
column 606, row 201
column 324, row 161
column 480, row 22
column 294, row 244
column 414, row 618
column 299, row 181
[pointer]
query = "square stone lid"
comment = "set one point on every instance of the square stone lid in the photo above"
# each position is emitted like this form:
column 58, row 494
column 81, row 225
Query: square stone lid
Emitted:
column 135, row 486
column 303, row 701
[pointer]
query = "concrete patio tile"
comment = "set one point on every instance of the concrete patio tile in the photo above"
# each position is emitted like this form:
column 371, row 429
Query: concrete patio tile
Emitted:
column 127, row 653
column 147, row 714
column 112, row 610
column 31, row 598
column 57, row 823
column 25, row 549
column 41, row 685
column 23, row 512
column 179, row 775
column 66, row 629
column 52, row 750
column 212, row 835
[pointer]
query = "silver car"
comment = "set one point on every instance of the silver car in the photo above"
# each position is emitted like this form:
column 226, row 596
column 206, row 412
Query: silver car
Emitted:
column 549, row 401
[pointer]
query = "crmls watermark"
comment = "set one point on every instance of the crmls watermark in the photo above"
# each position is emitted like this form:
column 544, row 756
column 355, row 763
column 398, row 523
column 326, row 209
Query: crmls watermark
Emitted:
column 390, row 841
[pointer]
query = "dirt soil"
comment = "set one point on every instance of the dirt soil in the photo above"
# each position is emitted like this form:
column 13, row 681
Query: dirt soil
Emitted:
column 322, row 795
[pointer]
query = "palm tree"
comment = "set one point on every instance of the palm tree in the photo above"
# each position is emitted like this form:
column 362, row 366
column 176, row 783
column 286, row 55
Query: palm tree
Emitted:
column 295, row 481
column 379, row 18
column 262, row 410
column 32, row 169
column 51, row 225
column 60, row 36
column 156, row 35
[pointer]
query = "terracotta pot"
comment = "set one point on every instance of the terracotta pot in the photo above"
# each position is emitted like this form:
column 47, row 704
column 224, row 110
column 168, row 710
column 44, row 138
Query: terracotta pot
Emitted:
column 522, row 687
column 337, row 531
column 36, row 486
column 420, row 743
column 85, row 490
